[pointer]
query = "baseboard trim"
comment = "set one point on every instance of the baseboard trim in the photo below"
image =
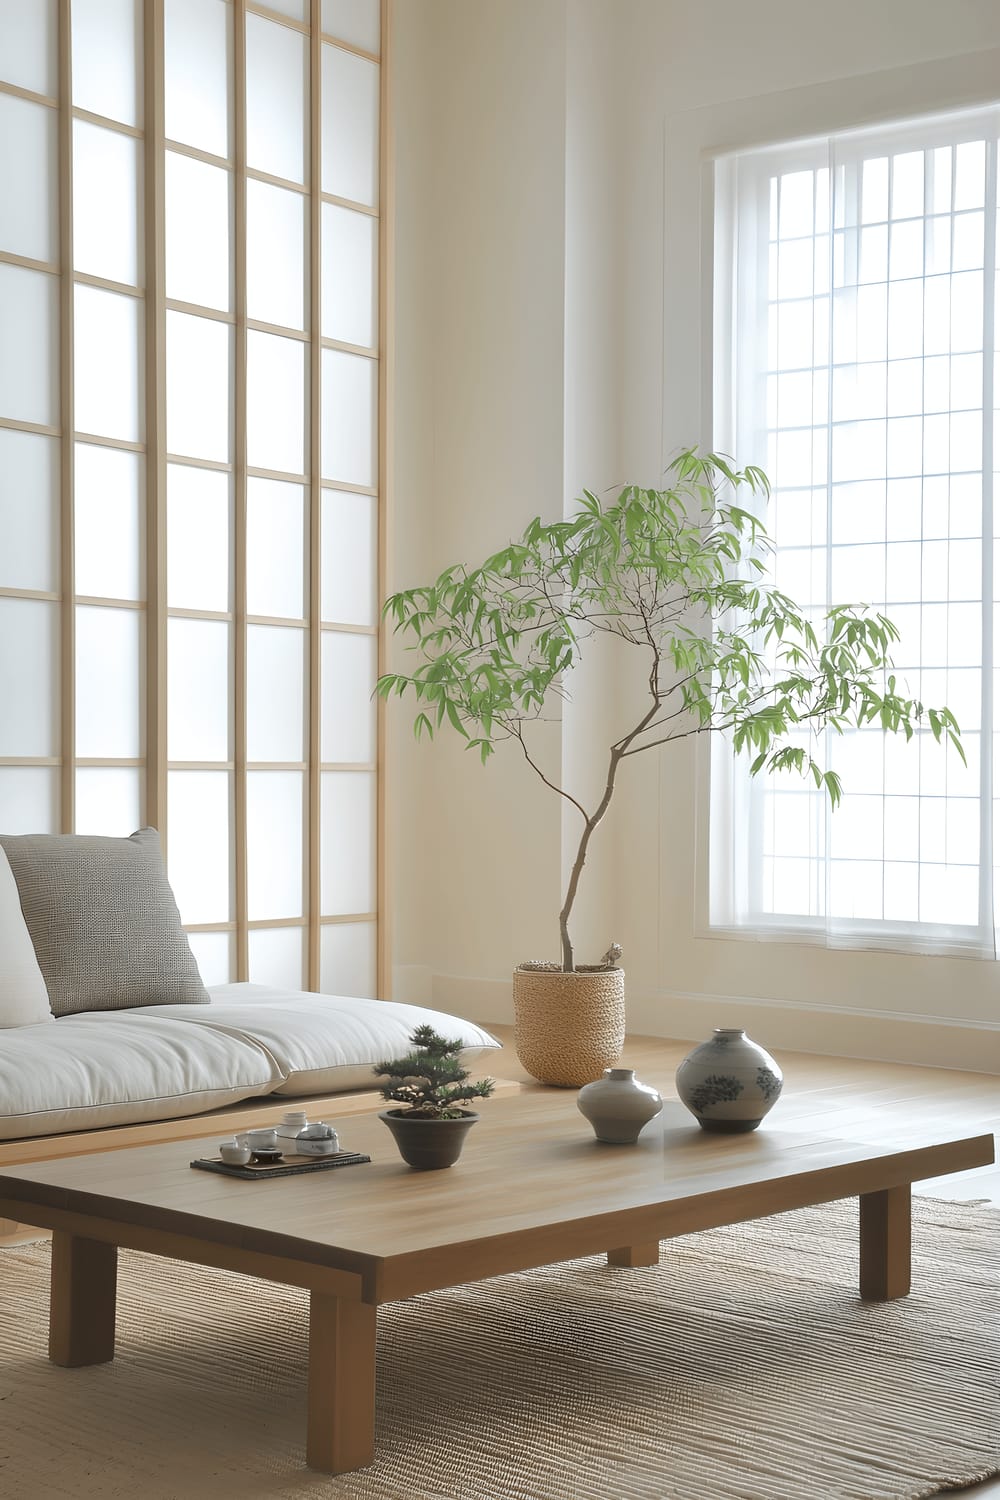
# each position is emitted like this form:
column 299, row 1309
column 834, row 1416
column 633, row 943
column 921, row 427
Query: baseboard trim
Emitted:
column 828, row 1030
column 839, row 1031
column 819, row 1009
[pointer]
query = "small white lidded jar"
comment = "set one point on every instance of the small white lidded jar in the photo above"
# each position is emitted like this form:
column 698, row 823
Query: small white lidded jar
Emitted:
column 293, row 1121
column 318, row 1139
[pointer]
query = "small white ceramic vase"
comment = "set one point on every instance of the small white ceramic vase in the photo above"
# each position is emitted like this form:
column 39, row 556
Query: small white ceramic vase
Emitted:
column 729, row 1083
column 618, row 1106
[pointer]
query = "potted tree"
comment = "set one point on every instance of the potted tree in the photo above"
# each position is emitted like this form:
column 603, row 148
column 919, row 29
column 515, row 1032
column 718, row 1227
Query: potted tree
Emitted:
column 430, row 1085
column 680, row 576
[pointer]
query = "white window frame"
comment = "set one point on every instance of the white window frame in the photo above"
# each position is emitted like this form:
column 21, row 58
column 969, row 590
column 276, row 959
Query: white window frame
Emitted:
column 725, row 910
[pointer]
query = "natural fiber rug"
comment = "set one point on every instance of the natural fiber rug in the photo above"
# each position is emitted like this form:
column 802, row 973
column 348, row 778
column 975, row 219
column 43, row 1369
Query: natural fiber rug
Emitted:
column 743, row 1368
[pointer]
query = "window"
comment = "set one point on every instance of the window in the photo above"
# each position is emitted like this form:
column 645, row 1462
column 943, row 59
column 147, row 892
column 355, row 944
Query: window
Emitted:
column 855, row 335
column 189, row 457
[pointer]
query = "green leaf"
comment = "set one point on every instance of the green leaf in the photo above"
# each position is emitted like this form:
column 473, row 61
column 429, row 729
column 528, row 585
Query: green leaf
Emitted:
column 681, row 574
column 454, row 719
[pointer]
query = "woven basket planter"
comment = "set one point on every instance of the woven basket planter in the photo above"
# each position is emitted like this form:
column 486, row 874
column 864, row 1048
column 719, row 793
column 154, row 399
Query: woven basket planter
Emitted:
column 568, row 1027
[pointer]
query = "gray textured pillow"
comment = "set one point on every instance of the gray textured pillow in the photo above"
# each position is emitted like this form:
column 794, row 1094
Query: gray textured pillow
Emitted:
column 103, row 921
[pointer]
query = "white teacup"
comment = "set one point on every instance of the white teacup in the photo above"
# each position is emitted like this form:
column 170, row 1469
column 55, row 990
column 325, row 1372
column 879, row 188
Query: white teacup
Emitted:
column 234, row 1153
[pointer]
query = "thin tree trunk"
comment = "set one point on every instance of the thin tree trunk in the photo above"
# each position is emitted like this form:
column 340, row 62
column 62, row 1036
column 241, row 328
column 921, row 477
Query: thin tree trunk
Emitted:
column 569, row 967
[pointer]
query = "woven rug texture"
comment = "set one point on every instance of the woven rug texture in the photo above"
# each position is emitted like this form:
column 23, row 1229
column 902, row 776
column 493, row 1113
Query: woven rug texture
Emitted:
column 744, row 1367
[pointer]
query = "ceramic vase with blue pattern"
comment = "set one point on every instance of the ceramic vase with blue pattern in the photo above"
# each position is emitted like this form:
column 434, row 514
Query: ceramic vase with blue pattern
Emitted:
column 729, row 1083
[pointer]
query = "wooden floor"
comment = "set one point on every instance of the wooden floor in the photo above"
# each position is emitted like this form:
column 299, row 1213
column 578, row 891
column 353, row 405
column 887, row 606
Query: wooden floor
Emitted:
column 867, row 1096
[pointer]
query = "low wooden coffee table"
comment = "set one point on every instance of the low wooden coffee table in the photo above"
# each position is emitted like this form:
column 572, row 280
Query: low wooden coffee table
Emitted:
column 532, row 1188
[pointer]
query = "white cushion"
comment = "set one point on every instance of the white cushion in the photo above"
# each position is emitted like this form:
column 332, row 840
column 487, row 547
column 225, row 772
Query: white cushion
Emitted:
column 24, row 1000
column 322, row 1043
column 117, row 1068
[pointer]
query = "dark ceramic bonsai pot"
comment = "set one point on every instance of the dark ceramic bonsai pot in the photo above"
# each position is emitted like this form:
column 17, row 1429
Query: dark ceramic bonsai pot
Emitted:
column 428, row 1144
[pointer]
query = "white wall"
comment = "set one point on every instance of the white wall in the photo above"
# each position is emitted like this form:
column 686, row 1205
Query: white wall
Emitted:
column 480, row 104
column 554, row 174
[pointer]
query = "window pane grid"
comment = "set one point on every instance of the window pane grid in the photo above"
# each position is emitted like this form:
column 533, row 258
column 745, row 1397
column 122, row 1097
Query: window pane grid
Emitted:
column 864, row 352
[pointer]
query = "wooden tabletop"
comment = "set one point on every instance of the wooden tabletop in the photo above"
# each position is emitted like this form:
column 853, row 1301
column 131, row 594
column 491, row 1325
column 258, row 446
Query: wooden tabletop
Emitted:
column 532, row 1187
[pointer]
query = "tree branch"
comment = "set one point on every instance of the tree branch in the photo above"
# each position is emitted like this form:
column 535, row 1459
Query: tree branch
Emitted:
column 518, row 734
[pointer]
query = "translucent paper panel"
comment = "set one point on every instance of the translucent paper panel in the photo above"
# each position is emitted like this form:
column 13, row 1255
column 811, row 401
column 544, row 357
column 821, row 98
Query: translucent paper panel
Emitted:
column 354, row 21
column 347, row 958
column 198, row 857
column 107, row 58
column 349, row 672
column 275, row 402
column 198, row 538
column 350, row 126
column 108, row 682
column 198, row 73
column 108, row 800
column 275, row 548
column 107, row 345
column 29, row 348
column 28, row 35
column 28, row 177
column 198, row 690
column 350, row 415
column 297, row 9
column 108, row 506
column 29, row 680
column 274, row 844
column 350, row 558
column 106, row 203
column 213, row 953
column 29, row 799
column 276, row 957
column 197, row 232
column 276, row 243
column 29, row 510
column 275, row 693
column 277, row 90
column 199, row 358
column 347, row 842
column 350, row 276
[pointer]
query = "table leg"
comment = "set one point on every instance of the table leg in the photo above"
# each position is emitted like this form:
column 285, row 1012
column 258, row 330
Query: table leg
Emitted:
column 885, row 1244
column 82, row 1306
column 635, row 1255
column 341, row 1421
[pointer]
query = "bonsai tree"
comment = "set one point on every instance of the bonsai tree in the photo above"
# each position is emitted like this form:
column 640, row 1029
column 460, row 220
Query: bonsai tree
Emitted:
column 680, row 574
column 430, row 1080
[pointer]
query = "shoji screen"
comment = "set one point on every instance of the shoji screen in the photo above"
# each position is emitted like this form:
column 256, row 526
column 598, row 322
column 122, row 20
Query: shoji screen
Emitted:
column 190, row 386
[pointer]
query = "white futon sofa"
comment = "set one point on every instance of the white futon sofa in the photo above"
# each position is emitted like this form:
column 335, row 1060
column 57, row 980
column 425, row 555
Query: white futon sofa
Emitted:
column 163, row 1062
column 105, row 1021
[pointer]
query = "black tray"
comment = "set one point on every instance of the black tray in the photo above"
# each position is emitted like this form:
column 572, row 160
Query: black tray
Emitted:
column 291, row 1166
